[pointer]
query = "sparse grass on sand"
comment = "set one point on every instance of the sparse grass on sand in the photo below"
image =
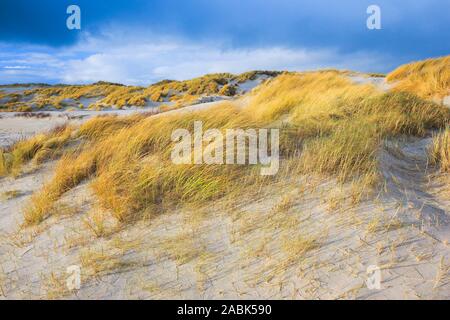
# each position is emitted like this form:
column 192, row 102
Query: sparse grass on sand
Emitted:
column 11, row 194
column 429, row 79
column 328, row 125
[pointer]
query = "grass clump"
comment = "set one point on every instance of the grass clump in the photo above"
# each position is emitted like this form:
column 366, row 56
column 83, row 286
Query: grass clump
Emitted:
column 70, row 172
column 37, row 149
column 104, row 126
column 440, row 150
column 96, row 263
column 57, row 96
column 336, row 126
column 300, row 245
column 11, row 194
column 429, row 79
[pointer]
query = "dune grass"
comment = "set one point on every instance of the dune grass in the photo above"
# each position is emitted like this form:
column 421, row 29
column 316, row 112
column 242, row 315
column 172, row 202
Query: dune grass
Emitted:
column 440, row 150
column 55, row 96
column 337, row 125
column 329, row 126
column 108, row 94
column 37, row 149
column 429, row 79
column 189, row 91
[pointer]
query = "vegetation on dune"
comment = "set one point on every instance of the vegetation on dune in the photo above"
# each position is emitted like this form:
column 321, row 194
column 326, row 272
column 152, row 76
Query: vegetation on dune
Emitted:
column 104, row 126
column 339, row 125
column 188, row 91
column 112, row 94
column 429, row 79
column 440, row 150
column 328, row 125
column 56, row 96
column 252, row 75
column 139, row 152
column 38, row 149
column 376, row 75
column 122, row 96
column 12, row 102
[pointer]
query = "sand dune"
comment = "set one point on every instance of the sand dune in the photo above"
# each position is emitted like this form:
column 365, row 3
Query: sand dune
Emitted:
column 303, row 237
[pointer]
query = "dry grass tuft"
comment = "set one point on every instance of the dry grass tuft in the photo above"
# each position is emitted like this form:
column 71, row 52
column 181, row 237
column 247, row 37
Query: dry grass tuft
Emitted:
column 38, row 149
column 300, row 245
column 99, row 223
column 96, row 263
column 111, row 257
column 440, row 150
column 182, row 248
column 11, row 194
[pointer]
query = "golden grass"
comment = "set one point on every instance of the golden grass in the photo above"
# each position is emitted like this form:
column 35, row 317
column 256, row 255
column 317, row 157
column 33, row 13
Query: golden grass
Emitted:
column 189, row 91
column 69, row 172
column 328, row 124
column 11, row 102
column 99, row 223
column 428, row 79
column 300, row 245
column 112, row 94
column 37, row 149
column 378, row 224
column 338, row 125
column 104, row 126
column 440, row 150
column 55, row 95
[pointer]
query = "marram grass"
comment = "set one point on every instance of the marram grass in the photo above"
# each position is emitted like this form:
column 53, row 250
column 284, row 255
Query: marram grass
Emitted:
column 37, row 149
column 328, row 126
column 440, row 150
column 175, row 93
column 429, row 79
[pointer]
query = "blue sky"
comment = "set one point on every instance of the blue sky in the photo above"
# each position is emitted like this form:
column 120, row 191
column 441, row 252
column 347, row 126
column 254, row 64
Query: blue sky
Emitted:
column 140, row 42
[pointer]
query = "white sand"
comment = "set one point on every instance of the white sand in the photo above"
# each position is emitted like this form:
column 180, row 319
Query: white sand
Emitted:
column 446, row 101
column 379, row 82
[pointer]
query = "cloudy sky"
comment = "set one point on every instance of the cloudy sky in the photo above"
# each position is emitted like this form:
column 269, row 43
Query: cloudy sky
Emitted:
column 140, row 42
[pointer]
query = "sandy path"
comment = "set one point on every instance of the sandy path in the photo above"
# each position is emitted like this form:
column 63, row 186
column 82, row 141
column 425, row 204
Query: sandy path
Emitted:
column 409, row 180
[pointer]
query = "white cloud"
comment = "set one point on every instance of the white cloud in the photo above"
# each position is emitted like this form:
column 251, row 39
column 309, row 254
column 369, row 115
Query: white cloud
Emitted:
column 16, row 67
column 119, row 57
